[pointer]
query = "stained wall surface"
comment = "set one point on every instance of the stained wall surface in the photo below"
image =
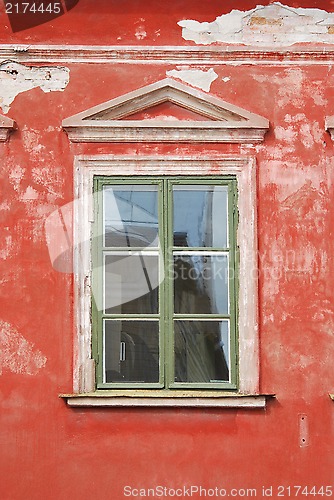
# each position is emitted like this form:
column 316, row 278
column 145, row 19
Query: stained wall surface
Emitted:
column 50, row 451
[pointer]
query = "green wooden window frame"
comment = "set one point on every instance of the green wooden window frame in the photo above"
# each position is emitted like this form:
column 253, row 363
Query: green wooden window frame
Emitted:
column 166, row 315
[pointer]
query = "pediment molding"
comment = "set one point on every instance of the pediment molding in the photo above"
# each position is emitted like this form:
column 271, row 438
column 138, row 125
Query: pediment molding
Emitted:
column 7, row 125
column 218, row 121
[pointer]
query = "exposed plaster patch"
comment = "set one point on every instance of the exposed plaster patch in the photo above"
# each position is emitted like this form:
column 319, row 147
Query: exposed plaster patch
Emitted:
column 32, row 143
column 17, row 354
column 288, row 134
column 16, row 175
column 274, row 24
column 295, row 253
column 16, row 78
column 195, row 77
column 300, row 129
column 29, row 194
column 290, row 87
column 140, row 32
column 6, row 247
column 50, row 179
column 5, row 206
column 226, row 79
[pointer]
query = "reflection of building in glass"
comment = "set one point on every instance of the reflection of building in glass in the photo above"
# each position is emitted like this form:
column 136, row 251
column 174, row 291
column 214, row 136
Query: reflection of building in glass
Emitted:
column 199, row 354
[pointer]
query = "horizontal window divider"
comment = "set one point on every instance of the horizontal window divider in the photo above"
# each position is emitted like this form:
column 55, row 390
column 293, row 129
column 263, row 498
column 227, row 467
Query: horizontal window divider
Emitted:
column 199, row 251
column 134, row 252
column 144, row 250
column 138, row 181
column 212, row 317
column 128, row 386
column 201, row 181
column 208, row 386
column 131, row 316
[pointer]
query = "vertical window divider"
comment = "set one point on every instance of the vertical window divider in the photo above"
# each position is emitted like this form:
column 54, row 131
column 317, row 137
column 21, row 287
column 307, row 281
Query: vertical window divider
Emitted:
column 163, row 348
column 168, row 245
column 232, row 216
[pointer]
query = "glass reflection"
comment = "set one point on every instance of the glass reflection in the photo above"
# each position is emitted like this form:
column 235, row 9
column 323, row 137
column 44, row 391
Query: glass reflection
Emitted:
column 201, row 351
column 131, row 351
column 200, row 216
column 131, row 284
column 130, row 216
column 201, row 284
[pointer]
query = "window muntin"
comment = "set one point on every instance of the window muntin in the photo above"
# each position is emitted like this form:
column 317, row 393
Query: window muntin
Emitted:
column 164, row 261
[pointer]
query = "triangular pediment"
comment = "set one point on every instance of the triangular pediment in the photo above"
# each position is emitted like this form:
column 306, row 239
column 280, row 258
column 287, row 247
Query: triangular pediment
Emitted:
column 7, row 125
column 166, row 111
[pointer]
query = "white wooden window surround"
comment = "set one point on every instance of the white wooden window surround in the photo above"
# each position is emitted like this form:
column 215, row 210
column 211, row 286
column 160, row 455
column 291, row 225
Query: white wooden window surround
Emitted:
column 234, row 125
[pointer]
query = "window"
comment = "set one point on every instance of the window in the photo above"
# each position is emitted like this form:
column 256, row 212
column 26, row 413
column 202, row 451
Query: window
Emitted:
column 165, row 282
column 153, row 212
column 106, row 370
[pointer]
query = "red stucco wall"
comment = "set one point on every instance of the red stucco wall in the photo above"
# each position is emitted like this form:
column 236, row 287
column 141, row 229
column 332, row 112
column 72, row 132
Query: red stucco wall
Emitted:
column 49, row 451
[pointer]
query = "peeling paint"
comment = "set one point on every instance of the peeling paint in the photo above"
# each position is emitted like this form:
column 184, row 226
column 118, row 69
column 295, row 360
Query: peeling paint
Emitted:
column 195, row 77
column 31, row 142
column 292, row 87
column 17, row 354
column 140, row 32
column 29, row 194
column 16, row 78
column 16, row 175
column 274, row 24
column 6, row 247
column 299, row 128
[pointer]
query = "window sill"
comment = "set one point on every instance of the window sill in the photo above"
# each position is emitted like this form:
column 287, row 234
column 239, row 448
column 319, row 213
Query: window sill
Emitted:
column 167, row 399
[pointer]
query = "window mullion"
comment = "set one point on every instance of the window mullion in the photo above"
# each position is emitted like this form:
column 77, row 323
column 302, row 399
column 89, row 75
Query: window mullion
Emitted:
column 232, row 217
column 168, row 306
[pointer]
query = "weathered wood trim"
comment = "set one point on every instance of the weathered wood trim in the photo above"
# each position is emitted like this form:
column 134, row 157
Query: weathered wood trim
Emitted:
column 244, row 169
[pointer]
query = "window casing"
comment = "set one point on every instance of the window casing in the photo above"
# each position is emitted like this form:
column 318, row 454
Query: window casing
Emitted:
column 165, row 280
column 243, row 170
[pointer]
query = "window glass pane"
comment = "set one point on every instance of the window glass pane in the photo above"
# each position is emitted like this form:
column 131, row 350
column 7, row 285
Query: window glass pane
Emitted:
column 201, row 284
column 131, row 351
column 131, row 283
column 131, row 216
column 201, row 351
column 200, row 216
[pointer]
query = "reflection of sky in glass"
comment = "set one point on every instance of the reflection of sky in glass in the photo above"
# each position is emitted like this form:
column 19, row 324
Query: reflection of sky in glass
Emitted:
column 200, row 216
column 131, row 215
